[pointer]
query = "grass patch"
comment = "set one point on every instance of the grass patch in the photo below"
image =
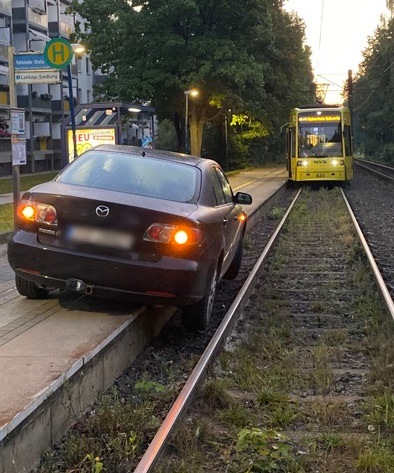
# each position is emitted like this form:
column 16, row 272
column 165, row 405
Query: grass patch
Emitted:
column 6, row 217
column 26, row 182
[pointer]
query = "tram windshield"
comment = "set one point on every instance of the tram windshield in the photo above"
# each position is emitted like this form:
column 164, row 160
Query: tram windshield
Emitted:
column 320, row 138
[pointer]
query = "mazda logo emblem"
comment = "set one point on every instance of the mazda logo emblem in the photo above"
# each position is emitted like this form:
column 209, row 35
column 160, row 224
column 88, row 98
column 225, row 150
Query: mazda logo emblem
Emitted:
column 102, row 211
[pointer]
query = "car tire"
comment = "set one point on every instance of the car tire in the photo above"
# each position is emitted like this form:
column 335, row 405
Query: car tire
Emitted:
column 29, row 289
column 235, row 265
column 195, row 317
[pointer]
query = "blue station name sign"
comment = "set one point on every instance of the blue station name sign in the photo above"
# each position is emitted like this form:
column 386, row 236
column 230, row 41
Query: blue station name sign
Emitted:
column 30, row 62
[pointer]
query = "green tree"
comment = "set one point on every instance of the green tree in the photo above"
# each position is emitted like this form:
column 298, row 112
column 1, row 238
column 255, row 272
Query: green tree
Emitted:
column 374, row 94
column 231, row 51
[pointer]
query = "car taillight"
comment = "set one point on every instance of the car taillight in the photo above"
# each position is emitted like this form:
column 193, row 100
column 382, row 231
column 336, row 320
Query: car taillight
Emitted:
column 37, row 212
column 161, row 233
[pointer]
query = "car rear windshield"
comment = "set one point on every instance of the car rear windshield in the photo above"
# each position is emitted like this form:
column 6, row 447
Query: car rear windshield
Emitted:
column 147, row 176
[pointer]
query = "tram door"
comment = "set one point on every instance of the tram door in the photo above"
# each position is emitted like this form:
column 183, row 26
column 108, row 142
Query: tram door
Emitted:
column 289, row 148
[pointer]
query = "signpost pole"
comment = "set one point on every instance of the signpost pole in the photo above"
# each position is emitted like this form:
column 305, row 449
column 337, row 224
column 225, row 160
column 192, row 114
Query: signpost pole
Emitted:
column 15, row 168
column 72, row 113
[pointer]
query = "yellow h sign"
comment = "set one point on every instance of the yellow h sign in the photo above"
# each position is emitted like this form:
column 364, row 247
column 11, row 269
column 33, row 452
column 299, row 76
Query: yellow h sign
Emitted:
column 58, row 53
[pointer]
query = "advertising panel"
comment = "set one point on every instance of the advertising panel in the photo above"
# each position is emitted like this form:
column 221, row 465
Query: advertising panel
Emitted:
column 88, row 138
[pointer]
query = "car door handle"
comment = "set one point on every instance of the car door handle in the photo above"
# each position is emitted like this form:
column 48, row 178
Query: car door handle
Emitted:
column 225, row 221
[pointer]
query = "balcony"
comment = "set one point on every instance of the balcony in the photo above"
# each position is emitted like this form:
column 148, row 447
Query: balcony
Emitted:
column 43, row 143
column 39, row 104
column 4, row 97
column 6, row 7
column 37, row 18
column 5, row 35
column 66, row 29
column 37, row 5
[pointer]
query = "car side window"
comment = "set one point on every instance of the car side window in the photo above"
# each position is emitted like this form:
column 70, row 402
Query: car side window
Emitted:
column 217, row 188
column 228, row 193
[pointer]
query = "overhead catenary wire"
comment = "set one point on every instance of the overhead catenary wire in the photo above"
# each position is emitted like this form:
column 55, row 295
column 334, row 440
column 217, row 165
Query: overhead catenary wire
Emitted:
column 321, row 32
column 375, row 87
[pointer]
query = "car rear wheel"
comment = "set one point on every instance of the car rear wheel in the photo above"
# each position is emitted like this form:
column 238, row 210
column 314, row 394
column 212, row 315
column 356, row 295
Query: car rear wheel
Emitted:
column 235, row 264
column 29, row 289
column 195, row 317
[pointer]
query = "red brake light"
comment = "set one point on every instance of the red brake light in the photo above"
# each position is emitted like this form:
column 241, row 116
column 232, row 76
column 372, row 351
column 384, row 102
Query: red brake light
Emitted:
column 46, row 213
column 159, row 233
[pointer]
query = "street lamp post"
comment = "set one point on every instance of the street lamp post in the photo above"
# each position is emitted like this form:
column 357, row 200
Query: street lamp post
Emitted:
column 193, row 93
column 72, row 113
column 226, row 136
column 226, row 140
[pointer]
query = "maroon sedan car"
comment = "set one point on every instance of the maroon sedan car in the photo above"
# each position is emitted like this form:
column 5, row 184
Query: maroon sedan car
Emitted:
column 154, row 226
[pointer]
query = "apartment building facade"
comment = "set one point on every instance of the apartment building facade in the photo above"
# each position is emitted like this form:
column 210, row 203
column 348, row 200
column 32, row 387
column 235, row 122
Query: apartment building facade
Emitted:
column 27, row 25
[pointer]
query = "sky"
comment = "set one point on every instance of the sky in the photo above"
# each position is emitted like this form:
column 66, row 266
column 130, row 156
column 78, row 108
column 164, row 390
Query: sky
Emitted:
column 337, row 31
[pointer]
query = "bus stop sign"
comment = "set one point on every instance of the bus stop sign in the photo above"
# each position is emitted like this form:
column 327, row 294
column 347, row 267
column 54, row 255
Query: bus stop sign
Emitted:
column 58, row 53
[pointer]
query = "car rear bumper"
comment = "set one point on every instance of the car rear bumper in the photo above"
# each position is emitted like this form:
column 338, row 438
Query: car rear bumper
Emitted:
column 169, row 281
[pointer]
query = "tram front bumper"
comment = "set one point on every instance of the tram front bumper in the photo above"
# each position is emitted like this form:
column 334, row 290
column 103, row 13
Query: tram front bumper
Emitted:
column 322, row 176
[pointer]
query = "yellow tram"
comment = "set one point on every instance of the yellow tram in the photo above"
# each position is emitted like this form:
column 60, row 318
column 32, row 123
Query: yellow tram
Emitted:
column 319, row 144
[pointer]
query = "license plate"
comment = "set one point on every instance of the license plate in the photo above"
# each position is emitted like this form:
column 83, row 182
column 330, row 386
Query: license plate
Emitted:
column 101, row 237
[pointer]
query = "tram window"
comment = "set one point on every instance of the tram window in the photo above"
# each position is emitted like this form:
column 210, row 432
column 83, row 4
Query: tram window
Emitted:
column 322, row 140
column 336, row 137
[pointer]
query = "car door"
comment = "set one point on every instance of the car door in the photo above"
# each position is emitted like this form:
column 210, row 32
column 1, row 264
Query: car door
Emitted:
column 229, row 213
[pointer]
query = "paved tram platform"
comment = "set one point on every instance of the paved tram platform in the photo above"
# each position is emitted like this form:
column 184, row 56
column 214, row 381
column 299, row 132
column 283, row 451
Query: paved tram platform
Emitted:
column 57, row 353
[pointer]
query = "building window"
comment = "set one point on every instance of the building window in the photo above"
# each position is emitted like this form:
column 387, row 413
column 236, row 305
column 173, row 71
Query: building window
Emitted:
column 87, row 65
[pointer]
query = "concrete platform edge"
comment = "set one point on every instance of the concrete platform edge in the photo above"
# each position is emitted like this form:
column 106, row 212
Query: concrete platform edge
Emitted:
column 48, row 417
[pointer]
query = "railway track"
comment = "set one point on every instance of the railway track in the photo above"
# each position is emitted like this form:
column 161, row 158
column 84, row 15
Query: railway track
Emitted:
column 379, row 169
column 296, row 379
column 371, row 196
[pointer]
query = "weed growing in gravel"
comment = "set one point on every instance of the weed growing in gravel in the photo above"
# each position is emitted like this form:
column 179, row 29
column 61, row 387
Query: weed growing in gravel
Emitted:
column 186, row 448
column 277, row 213
column 328, row 413
column 381, row 412
column 237, row 415
column 113, row 432
column 215, row 394
column 335, row 337
column 376, row 459
column 331, row 440
column 263, row 451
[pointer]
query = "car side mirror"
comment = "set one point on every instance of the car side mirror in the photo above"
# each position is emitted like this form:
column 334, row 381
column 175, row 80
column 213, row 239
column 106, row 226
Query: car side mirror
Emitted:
column 243, row 198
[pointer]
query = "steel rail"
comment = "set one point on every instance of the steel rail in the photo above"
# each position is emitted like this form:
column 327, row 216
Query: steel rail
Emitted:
column 377, row 275
column 368, row 165
column 159, row 442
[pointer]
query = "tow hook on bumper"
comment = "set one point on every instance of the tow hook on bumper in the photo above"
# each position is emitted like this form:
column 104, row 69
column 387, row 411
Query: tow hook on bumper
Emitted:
column 79, row 286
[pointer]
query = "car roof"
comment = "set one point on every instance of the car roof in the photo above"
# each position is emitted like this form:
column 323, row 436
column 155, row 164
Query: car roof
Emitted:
column 155, row 153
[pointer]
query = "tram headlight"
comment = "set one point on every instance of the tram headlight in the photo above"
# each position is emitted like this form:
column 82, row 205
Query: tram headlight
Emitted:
column 302, row 163
column 338, row 162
